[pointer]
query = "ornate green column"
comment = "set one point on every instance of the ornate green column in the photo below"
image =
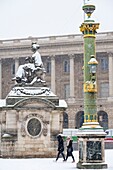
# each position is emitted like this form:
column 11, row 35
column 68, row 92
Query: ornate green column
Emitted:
column 88, row 28
column 91, row 135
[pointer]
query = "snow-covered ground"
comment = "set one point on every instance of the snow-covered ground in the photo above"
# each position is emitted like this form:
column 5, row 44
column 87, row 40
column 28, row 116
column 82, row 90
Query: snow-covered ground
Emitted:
column 48, row 163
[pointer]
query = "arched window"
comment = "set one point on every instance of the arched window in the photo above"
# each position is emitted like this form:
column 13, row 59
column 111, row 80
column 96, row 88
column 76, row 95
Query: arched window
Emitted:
column 103, row 119
column 65, row 120
column 79, row 119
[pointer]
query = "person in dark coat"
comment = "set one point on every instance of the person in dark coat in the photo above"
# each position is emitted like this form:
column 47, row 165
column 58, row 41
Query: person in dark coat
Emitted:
column 60, row 147
column 70, row 149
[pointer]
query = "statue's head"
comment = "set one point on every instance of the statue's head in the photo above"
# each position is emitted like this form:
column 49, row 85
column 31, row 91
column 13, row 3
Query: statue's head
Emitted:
column 35, row 46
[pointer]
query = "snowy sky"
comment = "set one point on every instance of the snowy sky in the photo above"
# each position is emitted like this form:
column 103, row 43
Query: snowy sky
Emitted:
column 24, row 18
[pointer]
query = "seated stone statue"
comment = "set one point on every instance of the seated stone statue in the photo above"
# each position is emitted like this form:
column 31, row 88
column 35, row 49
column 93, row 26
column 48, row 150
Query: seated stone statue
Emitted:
column 33, row 71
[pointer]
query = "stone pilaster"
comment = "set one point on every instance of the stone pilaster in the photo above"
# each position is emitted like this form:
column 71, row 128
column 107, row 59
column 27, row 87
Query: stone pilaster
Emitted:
column 0, row 79
column 53, row 74
column 16, row 64
column 71, row 75
column 110, row 75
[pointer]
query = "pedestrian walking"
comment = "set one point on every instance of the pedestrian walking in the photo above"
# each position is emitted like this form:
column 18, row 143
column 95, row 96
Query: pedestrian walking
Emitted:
column 60, row 147
column 70, row 149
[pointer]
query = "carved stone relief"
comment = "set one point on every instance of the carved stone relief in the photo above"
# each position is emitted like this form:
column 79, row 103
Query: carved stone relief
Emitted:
column 33, row 125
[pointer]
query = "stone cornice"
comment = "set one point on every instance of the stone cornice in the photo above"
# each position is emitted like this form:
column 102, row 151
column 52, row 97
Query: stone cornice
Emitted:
column 54, row 45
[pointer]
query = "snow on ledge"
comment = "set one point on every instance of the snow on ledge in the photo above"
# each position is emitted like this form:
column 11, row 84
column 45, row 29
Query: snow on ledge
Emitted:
column 62, row 103
column 2, row 102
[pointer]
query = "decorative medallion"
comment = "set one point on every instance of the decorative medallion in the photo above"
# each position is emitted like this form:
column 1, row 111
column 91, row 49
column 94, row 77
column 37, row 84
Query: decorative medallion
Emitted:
column 34, row 127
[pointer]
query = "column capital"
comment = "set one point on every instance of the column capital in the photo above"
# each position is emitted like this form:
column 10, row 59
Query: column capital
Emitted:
column 71, row 55
column 110, row 54
column 52, row 57
column 16, row 59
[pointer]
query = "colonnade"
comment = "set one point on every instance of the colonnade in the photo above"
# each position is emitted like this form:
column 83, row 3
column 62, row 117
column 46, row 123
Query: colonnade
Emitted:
column 53, row 87
column 72, row 76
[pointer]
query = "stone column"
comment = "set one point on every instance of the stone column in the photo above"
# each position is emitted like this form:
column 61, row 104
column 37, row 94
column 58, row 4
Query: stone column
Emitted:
column 110, row 75
column 16, row 64
column 53, row 88
column 72, row 90
column 0, row 79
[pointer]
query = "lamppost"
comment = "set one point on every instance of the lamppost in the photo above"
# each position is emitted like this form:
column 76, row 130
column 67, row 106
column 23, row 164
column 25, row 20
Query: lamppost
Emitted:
column 91, row 135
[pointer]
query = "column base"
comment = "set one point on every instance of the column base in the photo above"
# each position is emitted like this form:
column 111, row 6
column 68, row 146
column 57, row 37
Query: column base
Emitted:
column 91, row 146
column 91, row 125
column 81, row 165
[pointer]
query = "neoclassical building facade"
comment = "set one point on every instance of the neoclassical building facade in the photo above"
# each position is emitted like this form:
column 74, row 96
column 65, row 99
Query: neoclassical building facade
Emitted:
column 63, row 60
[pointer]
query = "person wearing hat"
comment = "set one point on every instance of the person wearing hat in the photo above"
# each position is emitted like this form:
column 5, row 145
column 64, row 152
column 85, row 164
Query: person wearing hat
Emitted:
column 60, row 147
column 70, row 149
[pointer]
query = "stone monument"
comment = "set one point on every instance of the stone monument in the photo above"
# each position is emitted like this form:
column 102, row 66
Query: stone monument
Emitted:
column 31, row 116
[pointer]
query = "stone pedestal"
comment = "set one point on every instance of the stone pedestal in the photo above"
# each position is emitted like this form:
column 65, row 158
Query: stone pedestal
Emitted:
column 91, row 147
column 30, row 121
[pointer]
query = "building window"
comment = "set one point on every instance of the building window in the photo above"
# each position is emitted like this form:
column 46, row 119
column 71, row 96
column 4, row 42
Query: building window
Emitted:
column 66, row 66
column 48, row 69
column 66, row 91
column 13, row 69
column 104, row 90
column 104, row 64
column 103, row 119
column 65, row 120
column 79, row 119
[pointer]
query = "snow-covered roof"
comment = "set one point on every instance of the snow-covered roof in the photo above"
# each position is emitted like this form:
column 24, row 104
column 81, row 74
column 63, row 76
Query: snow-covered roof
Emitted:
column 62, row 103
column 2, row 102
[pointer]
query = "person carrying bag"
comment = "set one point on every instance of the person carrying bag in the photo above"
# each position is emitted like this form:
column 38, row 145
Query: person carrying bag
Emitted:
column 70, row 149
